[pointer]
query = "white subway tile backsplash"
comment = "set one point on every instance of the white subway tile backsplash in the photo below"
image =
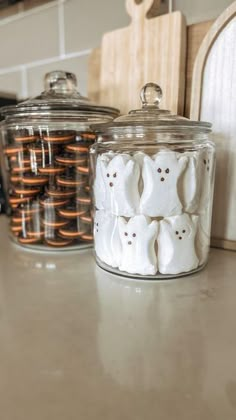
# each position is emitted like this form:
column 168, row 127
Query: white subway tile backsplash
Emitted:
column 59, row 35
column 77, row 65
column 32, row 37
column 86, row 21
column 11, row 83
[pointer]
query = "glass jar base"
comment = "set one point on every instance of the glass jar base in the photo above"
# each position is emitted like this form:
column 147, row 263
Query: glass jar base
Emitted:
column 46, row 249
column 138, row 277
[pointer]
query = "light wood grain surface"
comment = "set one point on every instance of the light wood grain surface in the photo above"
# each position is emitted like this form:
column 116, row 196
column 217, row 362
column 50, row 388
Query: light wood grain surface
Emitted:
column 214, row 99
column 94, row 66
column 195, row 36
column 148, row 50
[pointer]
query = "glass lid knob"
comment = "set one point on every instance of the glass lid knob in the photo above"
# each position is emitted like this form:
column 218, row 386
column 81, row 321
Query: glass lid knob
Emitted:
column 60, row 81
column 151, row 95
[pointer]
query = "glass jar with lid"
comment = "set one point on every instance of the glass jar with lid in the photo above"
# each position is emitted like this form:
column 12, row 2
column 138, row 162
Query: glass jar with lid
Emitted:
column 45, row 144
column 153, row 179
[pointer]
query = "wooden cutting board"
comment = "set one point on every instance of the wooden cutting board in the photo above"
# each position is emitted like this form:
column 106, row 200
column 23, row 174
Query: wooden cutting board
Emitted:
column 149, row 49
column 214, row 100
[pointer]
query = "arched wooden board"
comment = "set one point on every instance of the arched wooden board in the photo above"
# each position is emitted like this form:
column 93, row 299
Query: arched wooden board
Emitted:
column 214, row 99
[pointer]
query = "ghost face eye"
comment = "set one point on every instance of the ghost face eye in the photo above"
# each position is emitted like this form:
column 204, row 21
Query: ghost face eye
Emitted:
column 126, row 234
column 167, row 171
column 177, row 232
column 183, row 230
column 134, row 235
column 204, row 161
column 108, row 175
column 114, row 175
column 159, row 170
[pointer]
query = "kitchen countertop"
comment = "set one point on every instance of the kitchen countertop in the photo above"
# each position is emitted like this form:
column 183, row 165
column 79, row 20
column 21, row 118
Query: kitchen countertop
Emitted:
column 79, row 343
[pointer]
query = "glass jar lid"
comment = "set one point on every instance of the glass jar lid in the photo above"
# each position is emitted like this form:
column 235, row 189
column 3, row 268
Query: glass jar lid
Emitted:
column 151, row 118
column 60, row 96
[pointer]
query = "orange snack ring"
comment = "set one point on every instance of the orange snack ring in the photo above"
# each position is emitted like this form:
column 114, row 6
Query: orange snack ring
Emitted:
column 35, row 180
column 57, row 193
column 86, row 219
column 66, row 182
column 83, row 169
column 29, row 139
column 27, row 192
column 70, row 214
column 70, row 234
column 49, row 202
column 87, row 237
column 51, row 170
column 76, row 147
column 58, row 242
column 56, row 224
column 27, row 241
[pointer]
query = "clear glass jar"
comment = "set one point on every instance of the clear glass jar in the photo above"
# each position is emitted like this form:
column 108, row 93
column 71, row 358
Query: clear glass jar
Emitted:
column 45, row 143
column 153, row 178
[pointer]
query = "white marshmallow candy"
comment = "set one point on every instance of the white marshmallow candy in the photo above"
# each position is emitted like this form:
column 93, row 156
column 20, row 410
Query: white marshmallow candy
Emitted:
column 205, row 174
column 139, row 158
column 121, row 177
column 189, row 183
column 138, row 237
column 160, row 177
column 106, row 238
column 99, row 184
column 176, row 244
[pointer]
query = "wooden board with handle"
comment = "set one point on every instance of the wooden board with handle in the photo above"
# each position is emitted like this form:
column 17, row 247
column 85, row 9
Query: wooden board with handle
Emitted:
column 149, row 49
column 213, row 99
column 195, row 34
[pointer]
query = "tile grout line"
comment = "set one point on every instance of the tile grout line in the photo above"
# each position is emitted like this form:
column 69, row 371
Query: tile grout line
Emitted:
column 61, row 28
column 27, row 13
column 37, row 63
column 24, row 82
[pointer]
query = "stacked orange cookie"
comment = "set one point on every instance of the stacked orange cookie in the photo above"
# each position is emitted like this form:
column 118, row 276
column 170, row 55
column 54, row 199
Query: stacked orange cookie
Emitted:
column 49, row 187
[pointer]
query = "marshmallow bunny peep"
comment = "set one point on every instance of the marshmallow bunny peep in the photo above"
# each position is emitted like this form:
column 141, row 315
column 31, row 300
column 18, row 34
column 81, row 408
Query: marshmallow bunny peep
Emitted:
column 121, row 178
column 138, row 237
column 106, row 238
column 160, row 177
column 176, row 244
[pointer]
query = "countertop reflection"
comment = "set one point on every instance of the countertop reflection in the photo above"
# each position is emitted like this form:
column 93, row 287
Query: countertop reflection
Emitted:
column 80, row 343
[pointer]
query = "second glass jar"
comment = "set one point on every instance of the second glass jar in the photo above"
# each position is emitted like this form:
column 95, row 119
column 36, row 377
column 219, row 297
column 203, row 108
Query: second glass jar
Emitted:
column 153, row 178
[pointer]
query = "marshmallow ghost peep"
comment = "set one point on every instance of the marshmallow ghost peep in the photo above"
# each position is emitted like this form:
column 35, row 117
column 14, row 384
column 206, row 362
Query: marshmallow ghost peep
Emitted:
column 205, row 173
column 160, row 178
column 176, row 244
column 189, row 183
column 106, row 238
column 121, row 178
column 138, row 237
column 99, row 185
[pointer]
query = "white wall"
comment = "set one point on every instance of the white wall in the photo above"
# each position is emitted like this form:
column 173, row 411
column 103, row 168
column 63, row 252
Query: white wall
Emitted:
column 61, row 34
